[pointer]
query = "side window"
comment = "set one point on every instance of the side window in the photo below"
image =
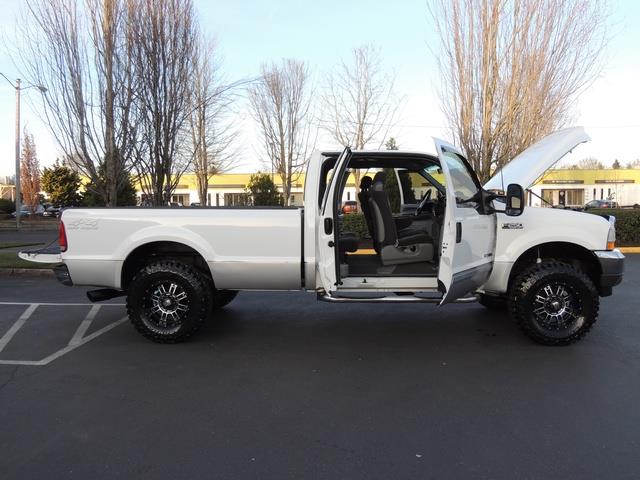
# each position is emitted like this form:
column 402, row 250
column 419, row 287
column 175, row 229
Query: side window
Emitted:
column 464, row 183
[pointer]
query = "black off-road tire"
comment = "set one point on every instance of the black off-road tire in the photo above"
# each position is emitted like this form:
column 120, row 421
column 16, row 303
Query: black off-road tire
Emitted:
column 493, row 302
column 530, row 310
column 222, row 298
column 188, row 280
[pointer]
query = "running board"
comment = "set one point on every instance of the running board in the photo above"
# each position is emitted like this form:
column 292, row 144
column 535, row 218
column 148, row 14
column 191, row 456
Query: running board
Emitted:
column 104, row 294
column 323, row 297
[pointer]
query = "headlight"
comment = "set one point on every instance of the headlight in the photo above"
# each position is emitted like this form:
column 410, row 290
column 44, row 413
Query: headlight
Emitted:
column 611, row 236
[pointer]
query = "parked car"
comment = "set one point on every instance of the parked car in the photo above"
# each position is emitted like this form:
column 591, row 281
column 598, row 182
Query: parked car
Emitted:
column 26, row 211
column 461, row 243
column 350, row 206
column 601, row 204
column 51, row 211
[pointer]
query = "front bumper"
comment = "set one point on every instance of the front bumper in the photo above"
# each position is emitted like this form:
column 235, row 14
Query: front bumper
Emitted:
column 611, row 268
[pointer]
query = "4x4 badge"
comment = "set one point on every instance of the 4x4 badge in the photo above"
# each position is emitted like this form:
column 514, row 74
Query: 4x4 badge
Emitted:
column 512, row 226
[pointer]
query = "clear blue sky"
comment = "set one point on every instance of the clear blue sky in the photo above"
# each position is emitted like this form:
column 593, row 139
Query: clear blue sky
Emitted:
column 321, row 33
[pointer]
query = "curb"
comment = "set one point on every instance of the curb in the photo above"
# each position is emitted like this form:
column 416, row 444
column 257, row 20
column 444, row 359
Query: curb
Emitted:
column 26, row 272
column 629, row 249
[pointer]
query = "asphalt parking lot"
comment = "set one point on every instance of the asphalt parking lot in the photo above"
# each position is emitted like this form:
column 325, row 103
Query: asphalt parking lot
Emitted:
column 282, row 386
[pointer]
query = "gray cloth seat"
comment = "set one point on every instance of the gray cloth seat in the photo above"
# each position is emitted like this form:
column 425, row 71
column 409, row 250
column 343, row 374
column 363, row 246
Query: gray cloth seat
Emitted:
column 403, row 224
column 407, row 246
column 348, row 242
column 363, row 198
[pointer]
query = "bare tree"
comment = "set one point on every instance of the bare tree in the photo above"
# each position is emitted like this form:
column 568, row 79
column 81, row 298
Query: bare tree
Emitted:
column 511, row 70
column 212, row 132
column 80, row 53
column 164, row 35
column 633, row 164
column 590, row 163
column 30, row 173
column 281, row 105
column 359, row 102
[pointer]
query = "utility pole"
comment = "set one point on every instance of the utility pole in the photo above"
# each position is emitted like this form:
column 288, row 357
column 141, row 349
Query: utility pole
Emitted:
column 18, row 89
column 17, row 182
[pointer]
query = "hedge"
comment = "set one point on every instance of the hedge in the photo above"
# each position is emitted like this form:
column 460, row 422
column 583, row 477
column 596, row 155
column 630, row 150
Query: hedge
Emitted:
column 7, row 206
column 355, row 223
column 627, row 224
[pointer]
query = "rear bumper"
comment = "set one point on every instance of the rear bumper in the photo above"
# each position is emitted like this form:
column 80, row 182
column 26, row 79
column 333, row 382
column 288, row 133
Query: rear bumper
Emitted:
column 62, row 274
column 612, row 268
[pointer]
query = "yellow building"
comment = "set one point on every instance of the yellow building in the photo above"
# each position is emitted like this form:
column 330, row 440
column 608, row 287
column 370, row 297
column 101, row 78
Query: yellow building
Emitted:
column 227, row 189
column 572, row 188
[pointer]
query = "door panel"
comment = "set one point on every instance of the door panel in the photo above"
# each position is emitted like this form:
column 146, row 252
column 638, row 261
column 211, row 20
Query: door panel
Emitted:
column 468, row 237
column 326, row 228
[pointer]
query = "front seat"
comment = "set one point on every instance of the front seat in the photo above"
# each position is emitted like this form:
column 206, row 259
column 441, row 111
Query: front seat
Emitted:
column 409, row 246
column 363, row 198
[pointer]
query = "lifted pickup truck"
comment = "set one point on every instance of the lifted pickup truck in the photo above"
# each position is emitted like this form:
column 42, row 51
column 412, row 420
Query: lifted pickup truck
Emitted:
column 451, row 240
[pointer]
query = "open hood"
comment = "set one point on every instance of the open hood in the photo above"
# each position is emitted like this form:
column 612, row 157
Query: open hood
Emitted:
column 527, row 167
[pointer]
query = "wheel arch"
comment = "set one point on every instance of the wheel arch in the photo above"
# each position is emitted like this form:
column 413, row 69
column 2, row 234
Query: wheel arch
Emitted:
column 564, row 251
column 146, row 252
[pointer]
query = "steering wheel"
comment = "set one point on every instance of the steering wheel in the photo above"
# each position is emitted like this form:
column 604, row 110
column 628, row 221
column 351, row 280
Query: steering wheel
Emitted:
column 423, row 203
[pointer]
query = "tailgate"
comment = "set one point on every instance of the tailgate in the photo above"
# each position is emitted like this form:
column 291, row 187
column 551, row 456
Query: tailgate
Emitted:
column 48, row 254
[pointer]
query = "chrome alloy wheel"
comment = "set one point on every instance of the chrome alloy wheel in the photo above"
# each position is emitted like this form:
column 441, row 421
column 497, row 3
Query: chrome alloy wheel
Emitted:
column 166, row 306
column 556, row 308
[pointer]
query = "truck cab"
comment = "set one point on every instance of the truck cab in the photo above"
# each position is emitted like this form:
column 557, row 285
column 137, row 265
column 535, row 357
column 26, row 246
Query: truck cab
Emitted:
column 436, row 243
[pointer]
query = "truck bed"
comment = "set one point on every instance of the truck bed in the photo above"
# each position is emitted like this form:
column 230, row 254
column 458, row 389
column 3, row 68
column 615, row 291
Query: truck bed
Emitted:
column 245, row 248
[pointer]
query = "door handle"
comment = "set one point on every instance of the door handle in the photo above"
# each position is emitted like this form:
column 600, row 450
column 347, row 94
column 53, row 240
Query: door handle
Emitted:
column 458, row 232
column 328, row 226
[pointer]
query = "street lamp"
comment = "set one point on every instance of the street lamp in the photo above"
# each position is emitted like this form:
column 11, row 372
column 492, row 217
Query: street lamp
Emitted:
column 18, row 89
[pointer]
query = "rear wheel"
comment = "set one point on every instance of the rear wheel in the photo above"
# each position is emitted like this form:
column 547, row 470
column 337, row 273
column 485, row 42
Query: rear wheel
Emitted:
column 168, row 301
column 553, row 302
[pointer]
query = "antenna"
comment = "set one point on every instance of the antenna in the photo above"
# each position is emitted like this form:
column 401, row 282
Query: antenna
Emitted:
column 502, row 180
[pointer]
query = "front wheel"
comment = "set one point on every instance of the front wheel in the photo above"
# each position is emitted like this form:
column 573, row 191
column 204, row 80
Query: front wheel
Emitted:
column 168, row 301
column 553, row 302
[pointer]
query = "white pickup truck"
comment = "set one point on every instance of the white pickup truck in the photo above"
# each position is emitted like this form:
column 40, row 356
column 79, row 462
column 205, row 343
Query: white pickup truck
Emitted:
column 451, row 240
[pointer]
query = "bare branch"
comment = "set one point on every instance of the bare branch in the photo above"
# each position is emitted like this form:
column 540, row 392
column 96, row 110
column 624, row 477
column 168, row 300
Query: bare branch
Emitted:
column 512, row 70
column 281, row 105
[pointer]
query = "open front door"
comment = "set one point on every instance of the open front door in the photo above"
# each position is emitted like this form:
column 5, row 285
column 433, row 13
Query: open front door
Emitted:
column 468, row 232
column 327, row 230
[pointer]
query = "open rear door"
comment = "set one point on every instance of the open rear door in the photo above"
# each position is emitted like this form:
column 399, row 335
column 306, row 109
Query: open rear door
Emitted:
column 468, row 232
column 327, row 230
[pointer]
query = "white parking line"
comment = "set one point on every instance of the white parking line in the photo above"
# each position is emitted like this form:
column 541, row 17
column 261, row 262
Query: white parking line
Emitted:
column 76, row 341
column 16, row 326
column 84, row 326
column 66, row 349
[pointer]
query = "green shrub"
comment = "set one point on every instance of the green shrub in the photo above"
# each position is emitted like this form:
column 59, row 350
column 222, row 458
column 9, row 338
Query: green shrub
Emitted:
column 7, row 206
column 627, row 224
column 355, row 223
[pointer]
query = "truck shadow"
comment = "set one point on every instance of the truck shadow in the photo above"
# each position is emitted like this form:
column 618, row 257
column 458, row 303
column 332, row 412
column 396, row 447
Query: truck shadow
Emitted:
column 297, row 319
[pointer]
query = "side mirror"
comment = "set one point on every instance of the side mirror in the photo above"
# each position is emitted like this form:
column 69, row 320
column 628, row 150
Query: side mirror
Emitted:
column 515, row 200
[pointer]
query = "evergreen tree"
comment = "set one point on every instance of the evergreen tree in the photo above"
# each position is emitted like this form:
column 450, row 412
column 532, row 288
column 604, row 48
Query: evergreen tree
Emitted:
column 263, row 191
column 126, row 194
column 391, row 144
column 62, row 184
